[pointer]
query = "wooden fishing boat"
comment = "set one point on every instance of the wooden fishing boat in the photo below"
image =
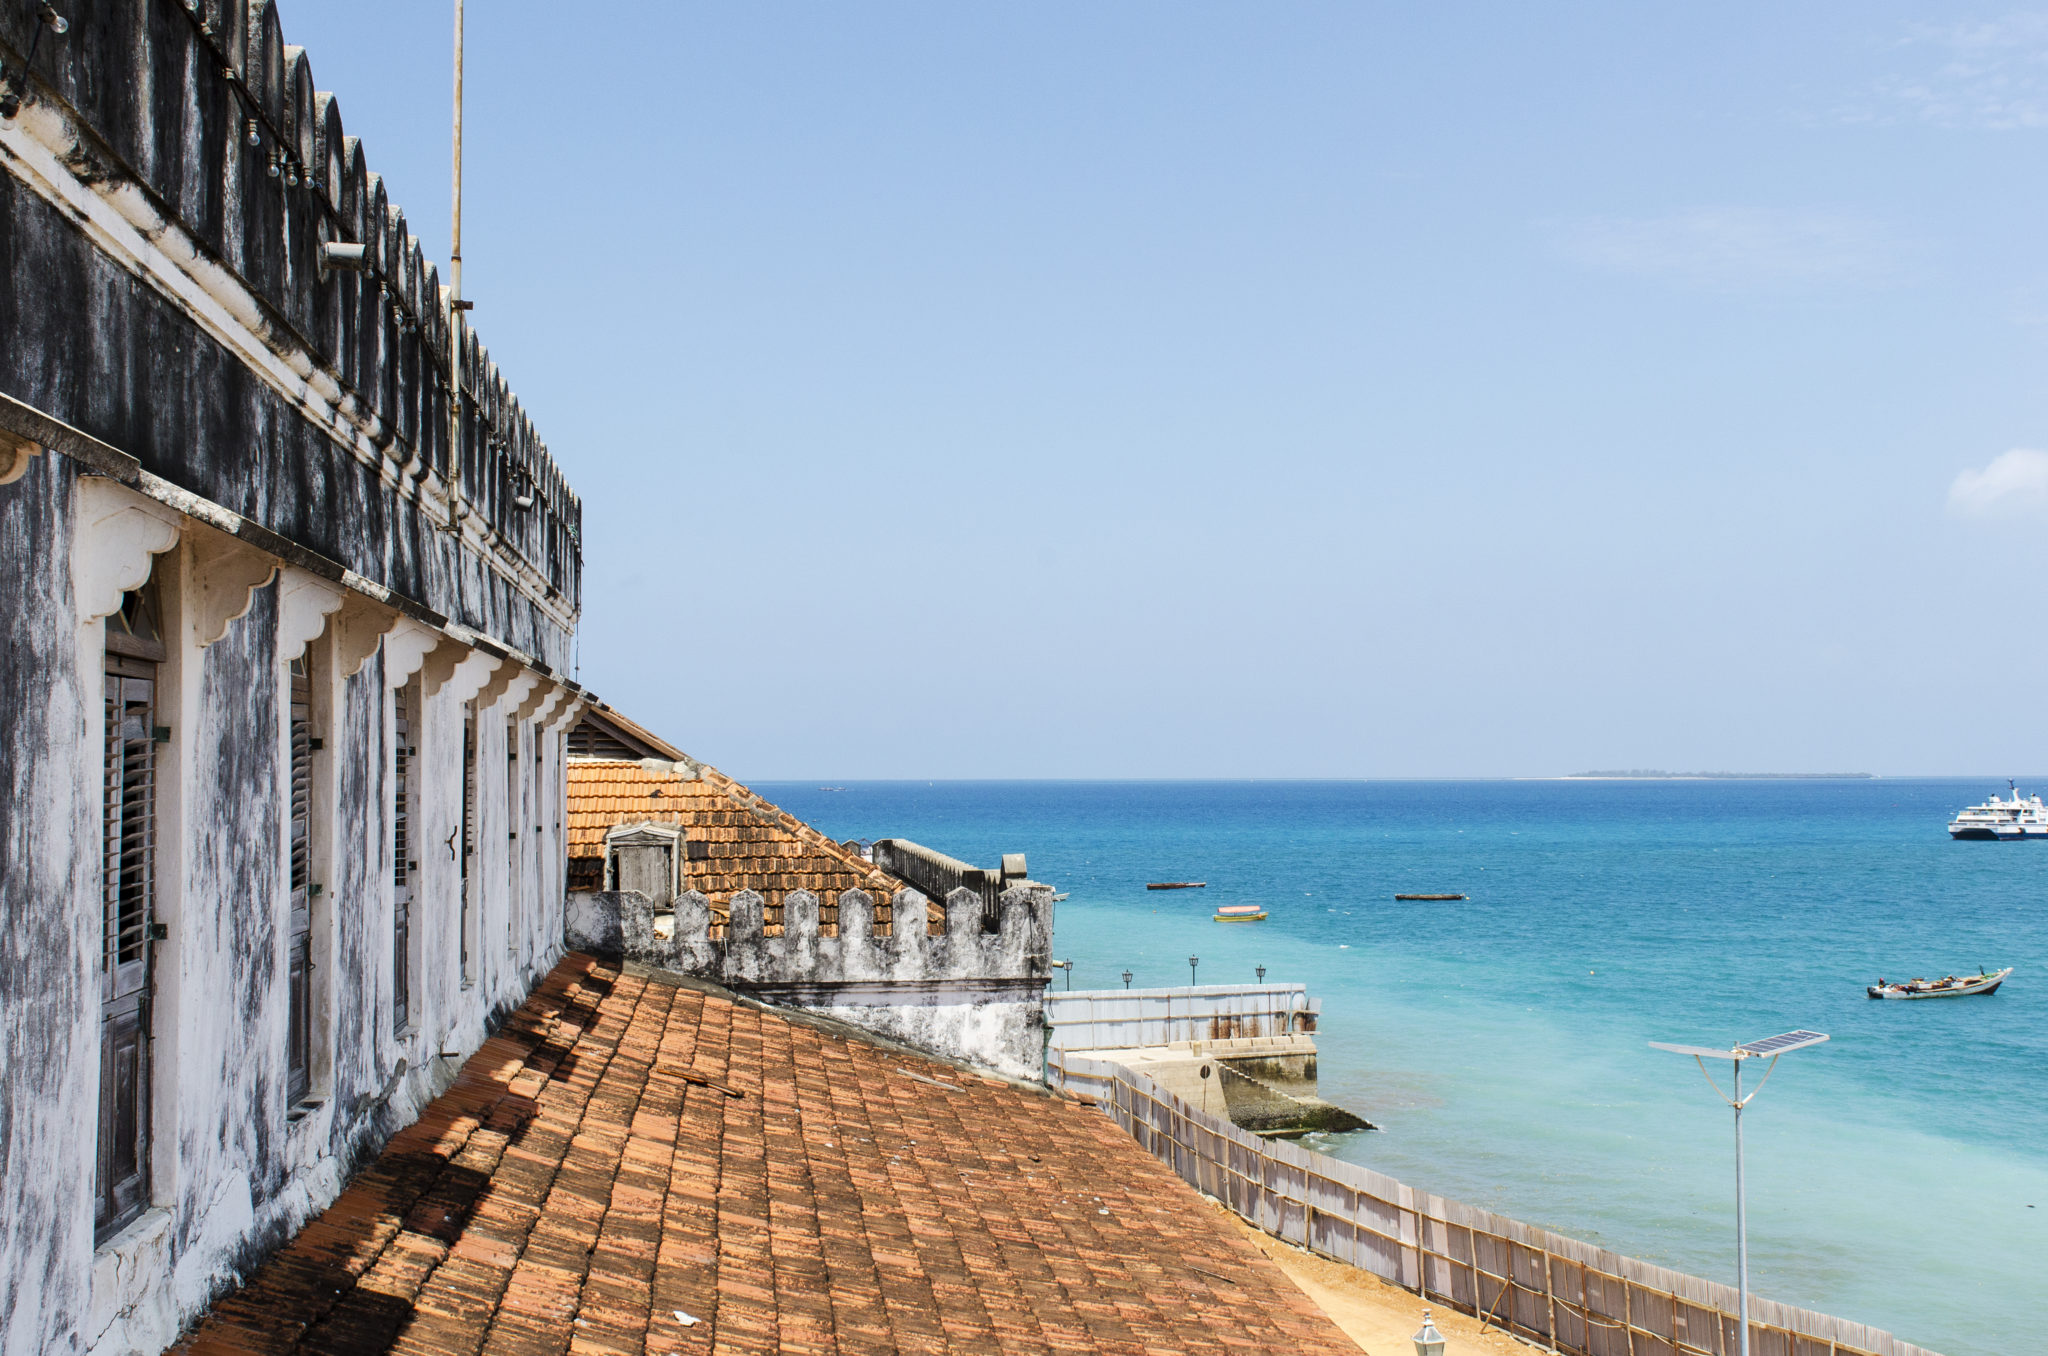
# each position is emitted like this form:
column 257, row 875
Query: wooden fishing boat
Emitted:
column 1429, row 896
column 1178, row 885
column 1948, row 986
column 1240, row 913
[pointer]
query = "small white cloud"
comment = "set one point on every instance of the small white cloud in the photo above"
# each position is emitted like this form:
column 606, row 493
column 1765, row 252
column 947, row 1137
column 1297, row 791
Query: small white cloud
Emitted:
column 1988, row 76
column 1731, row 248
column 2015, row 484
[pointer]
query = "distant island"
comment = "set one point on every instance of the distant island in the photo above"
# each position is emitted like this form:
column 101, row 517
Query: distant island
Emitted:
column 1642, row 774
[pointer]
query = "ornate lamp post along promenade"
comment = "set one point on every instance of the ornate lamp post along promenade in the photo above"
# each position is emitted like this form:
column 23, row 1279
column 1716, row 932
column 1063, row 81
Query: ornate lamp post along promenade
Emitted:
column 1768, row 1048
column 1193, row 961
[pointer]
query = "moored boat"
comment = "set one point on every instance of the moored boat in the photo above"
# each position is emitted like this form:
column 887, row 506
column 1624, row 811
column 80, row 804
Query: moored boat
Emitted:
column 1429, row 896
column 1948, row 986
column 1240, row 913
column 2002, row 821
column 1178, row 885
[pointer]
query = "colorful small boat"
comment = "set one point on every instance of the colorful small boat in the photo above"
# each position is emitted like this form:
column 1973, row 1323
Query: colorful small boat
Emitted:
column 1949, row 986
column 1240, row 913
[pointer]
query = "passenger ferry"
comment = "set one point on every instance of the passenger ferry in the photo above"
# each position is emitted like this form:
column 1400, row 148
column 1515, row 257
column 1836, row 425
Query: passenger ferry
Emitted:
column 2006, row 821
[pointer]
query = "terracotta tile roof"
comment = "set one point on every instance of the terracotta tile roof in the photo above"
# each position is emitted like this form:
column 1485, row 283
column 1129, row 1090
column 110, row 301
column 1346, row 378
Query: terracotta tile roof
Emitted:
column 624, row 1150
column 747, row 844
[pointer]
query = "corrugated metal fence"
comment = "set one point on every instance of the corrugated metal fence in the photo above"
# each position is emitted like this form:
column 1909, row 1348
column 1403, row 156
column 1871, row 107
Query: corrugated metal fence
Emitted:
column 1556, row 1290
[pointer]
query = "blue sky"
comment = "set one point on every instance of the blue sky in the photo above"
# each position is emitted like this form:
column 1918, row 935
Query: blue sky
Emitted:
column 1281, row 390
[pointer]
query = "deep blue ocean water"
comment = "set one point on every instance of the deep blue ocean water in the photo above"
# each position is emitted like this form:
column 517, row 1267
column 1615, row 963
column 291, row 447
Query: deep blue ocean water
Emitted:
column 1898, row 1175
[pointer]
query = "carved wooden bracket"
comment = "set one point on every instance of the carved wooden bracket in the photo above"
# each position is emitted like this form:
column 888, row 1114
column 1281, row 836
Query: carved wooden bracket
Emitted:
column 405, row 649
column 15, row 453
column 304, row 603
column 116, row 533
column 225, row 576
column 358, row 627
column 459, row 669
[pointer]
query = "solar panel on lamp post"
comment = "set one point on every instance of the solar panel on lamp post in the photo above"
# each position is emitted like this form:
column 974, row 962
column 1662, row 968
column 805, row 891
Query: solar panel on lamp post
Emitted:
column 1768, row 1048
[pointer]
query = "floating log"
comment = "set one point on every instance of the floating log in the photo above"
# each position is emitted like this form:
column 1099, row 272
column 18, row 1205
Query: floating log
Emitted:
column 1429, row 896
column 1178, row 885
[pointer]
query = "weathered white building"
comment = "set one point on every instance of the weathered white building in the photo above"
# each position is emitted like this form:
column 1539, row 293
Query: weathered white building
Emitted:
column 282, row 644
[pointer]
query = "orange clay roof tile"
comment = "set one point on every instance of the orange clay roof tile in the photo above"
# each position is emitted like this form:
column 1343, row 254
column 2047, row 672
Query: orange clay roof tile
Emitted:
column 589, row 1174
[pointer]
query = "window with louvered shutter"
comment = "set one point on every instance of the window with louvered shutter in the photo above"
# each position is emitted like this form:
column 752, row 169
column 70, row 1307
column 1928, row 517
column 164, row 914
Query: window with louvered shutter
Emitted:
column 128, row 867
column 401, row 861
column 468, row 824
column 299, row 1047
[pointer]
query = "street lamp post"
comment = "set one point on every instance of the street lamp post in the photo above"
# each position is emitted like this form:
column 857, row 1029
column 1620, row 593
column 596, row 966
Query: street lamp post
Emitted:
column 1193, row 961
column 1127, row 979
column 1769, row 1048
column 1262, row 973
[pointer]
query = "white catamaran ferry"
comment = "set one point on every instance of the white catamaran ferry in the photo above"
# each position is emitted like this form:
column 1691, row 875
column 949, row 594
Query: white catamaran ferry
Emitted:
column 2006, row 821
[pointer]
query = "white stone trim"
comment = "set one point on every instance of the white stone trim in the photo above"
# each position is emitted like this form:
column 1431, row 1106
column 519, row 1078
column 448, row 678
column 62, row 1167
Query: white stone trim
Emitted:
column 304, row 603
column 406, row 647
column 225, row 576
column 358, row 629
column 521, row 682
column 459, row 670
column 15, row 454
column 116, row 534
column 567, row 713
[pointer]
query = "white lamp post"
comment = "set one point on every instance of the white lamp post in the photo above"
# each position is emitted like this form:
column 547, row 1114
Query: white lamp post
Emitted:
column 1770, row 1047
column 1428, row 1341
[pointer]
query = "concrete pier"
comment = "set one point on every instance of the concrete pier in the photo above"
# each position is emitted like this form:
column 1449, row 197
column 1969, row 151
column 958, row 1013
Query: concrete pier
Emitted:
column 1247, row 1052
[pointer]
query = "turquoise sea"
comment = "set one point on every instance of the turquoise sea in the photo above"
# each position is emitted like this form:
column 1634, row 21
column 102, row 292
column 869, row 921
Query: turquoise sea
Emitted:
column 1898, row 1174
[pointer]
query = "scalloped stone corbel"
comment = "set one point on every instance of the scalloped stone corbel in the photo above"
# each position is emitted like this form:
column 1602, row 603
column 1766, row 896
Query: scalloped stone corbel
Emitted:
column 225, row 576
column 15, row 454
column 304, row 603
column 406, row 648
column 567, row 713
column 523, row 681
column 547, row 695
column 459, row 669
column 358, row 628
column 115, row 533
column 500, row 683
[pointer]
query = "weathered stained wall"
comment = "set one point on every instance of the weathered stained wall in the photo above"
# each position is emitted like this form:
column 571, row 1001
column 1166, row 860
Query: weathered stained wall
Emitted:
column 49, row 980
column 283, row 465
column 192, row 326
column 969, row 994
column 234, row 1170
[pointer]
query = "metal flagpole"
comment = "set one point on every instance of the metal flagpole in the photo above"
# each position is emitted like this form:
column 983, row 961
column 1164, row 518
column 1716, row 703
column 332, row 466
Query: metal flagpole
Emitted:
column 455, row 302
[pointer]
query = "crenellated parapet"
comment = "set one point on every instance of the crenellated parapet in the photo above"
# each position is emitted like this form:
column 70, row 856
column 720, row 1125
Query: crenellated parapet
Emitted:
column 969, row 991
column 186, row 143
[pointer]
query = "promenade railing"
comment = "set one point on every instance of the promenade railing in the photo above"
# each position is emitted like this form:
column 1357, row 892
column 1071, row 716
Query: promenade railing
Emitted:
column 1572, row 1296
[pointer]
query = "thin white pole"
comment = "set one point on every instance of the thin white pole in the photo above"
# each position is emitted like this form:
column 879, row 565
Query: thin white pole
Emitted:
column 1741, row 1229
column 455, row 219
column 455, row 301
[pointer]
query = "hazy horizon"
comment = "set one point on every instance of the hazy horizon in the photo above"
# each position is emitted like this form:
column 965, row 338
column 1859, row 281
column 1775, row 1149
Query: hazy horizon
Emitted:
column 1193, row 390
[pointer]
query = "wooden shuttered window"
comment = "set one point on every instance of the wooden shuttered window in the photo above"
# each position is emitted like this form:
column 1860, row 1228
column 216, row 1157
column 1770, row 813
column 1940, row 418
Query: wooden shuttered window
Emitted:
column 128, row 884
column 401, row 859
column 468, row 826
column 299, row 1038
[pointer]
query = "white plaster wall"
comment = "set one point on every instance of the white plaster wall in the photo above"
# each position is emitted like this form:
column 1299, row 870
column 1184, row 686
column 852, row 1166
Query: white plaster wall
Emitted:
column 233, row 1175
